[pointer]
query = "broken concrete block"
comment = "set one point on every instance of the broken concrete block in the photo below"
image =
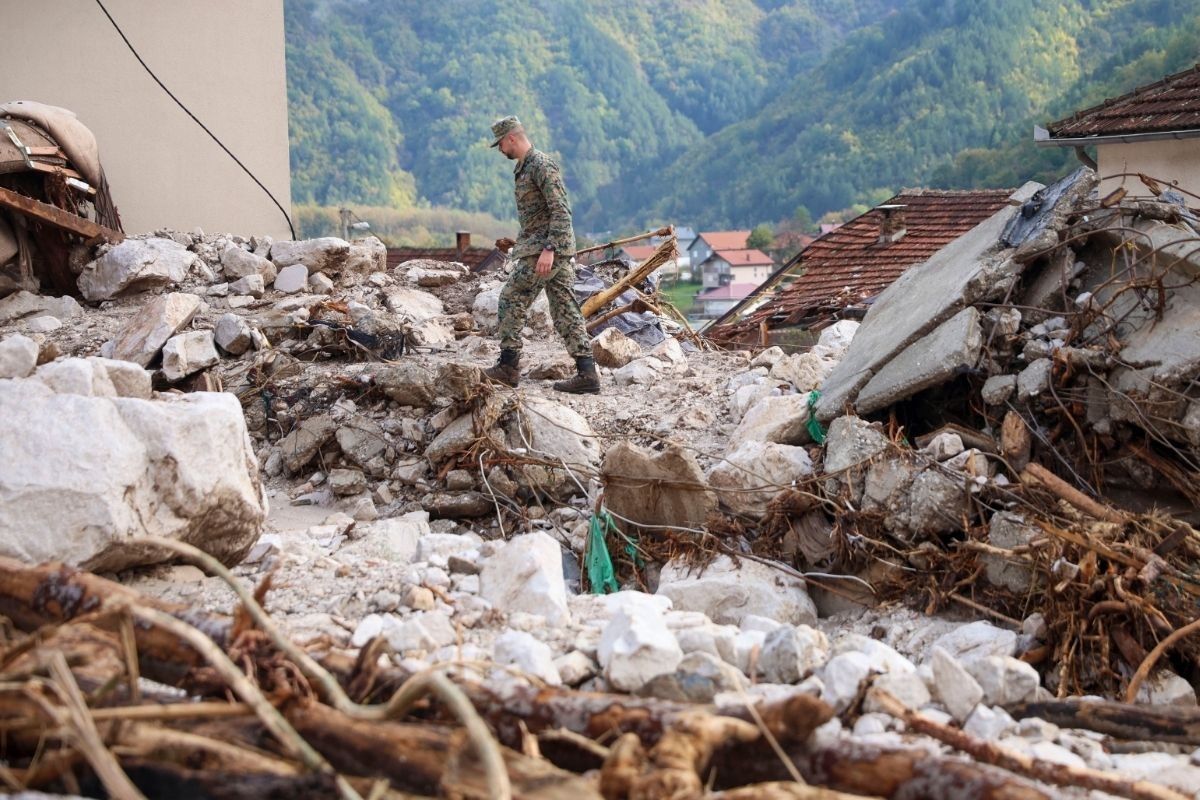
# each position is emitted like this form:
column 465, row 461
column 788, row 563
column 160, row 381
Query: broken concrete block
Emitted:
column 111, row 470
column 18, row 356
column 252, row 285
column 931, row 361
column 188, row 353
column 637, row 647
column 850, row 446
column 24, row 305
column 750, row 476
column 938, row 503
column 232, row 334
column 140, row 339
column 135, row 265
column 1034, row 379
column 305, row 440
column 782, row 419
column 969, row 269
column 997, row 389
column 327, row 254
column 656, row 488
column 365, row 256
column 614, row 349
column 1006, row 531
column 726, row 592
column 364, row 444
column 291, row 279
column 526, row 574
column 414, row 305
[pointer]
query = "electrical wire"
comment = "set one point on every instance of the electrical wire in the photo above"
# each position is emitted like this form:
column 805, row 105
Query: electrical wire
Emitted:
column 195, row 119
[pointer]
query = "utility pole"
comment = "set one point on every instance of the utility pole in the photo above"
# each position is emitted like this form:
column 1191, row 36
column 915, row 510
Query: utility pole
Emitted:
column 345, row 213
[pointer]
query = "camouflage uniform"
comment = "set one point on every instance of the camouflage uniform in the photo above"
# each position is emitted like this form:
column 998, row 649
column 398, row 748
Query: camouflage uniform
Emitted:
column 545, row 216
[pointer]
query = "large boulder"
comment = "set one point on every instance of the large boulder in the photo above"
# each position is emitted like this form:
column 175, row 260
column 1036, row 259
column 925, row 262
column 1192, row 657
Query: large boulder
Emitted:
column 327, row 254
column 555, row 433
column 111, row 470
column 486, row 312
column 413, row 305
column 752, row 474
column 27, row 305
column 135, row 265
column 648, row 487
column 614, row 349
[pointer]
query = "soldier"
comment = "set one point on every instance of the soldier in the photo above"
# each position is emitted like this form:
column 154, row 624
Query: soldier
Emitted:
column 544, row 252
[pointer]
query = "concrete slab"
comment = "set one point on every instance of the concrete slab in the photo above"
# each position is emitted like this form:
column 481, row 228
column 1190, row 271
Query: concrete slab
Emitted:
column 930, row 361
column 922, row 298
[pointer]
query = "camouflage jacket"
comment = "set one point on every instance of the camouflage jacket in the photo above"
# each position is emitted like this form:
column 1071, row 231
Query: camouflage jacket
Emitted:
column 542, row 207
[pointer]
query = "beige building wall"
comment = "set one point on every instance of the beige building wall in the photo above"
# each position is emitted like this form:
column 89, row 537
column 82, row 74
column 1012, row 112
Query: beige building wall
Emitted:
column 224, row 59
column 1171, row 160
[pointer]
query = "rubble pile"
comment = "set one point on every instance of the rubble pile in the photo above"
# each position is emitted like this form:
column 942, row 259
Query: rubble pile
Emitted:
column 631, row 594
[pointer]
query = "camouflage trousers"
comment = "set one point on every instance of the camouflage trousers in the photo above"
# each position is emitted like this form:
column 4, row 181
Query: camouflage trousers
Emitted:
column 522, row 289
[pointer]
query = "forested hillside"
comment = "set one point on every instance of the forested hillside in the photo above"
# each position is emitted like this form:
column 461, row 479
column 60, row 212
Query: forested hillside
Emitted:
column 711, row 112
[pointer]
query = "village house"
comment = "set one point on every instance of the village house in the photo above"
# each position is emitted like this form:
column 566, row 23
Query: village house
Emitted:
column 839, row 274
column 706, row 243
column 725, row 267
column 715, row 302
column 1153, row 131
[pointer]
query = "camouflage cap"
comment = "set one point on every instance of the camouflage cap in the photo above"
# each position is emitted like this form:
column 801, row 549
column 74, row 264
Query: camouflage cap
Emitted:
column 503, row 127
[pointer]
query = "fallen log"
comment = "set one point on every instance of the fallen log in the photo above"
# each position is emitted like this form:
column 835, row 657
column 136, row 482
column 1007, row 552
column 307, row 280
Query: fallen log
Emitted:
column 1180, row 725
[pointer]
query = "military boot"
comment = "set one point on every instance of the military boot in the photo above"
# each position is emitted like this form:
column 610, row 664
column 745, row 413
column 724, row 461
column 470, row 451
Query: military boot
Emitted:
column 587, row 381
column 507, row 369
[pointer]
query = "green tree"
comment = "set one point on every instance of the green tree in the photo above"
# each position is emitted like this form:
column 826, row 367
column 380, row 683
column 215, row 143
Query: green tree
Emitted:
column 760, row 237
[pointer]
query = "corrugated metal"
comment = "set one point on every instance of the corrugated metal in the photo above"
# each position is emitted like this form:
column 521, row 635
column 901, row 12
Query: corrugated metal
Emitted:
column 1171, row 104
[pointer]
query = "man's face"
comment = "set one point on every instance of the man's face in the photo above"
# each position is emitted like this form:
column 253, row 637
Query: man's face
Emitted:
column 506, row 146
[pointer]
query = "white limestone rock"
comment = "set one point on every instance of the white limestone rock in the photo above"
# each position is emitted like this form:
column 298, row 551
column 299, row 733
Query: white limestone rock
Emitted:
column 1004, row 680
column 18, row 356
column 232, row 334
column 791, row 653
column 637, row 647
column 520, row 650
column 112, row 470
column 614, row 349
column 187, row 354
column 753, row 473
column 727, row 592
column 135, row 265
column 977, row 640
column 526, row 574
column 843, row 677
column 77, row 376
column 953, row 686
column 291, row 279
column 327, row 254
column 781, row 419
column 143, row 335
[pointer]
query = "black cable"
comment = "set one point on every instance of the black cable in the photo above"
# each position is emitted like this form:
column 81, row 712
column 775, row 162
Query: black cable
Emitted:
column 194, row 118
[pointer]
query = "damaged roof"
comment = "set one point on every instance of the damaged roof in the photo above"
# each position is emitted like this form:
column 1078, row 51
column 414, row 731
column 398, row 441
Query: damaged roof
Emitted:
column 1167, row 107
column 479, row 259
column 852, row 264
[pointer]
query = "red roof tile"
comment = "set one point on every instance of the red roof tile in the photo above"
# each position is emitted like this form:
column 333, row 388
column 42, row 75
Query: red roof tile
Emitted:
column 850, row 265
column 743, row 258
column 725, row 240
column 639, row 252
column 1171, row 104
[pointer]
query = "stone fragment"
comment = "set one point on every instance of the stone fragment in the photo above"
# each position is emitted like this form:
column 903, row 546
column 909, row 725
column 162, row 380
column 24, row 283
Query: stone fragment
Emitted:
column 976, row 640
column 424, row 631
column 575, row 667
column 320, row 284
column 112, row 470
column 1004, row 680
column 188, row 353
column 232, row 334
column 305, row 440
column 850, row 445
column 753, row 473
column 25, row 305
column 135, row 265
column 727, row 592
column 645, row 371
column 239, row 263
column 998, row 388
column 77, row 376
column 954, row 687
column 458, row 505
column 560, row 435
column 768, row 357
column 345, row 482
column 252, row 285
column 698, row 679
column 408, row 383
column 1165, row 688
column 678, row 497
column 791, row 653
column 140, row 339
column 18, row 356
column 907, row 687
column 943, row 446
column 614, row 349
column 635, row 648
column 989, row 724
column 365, row 445
column 413, row 305
column 1007, row 531
column 938, row 503
column 1034, row 379
column 526, row 574
column 520, row 650
column 486, row 311
column 836, row 338
column 843, row 677
column 782, row 419
column 804, row 371
column 127, row 379
column 327, row 254
column 291, row 279
column 43, row 324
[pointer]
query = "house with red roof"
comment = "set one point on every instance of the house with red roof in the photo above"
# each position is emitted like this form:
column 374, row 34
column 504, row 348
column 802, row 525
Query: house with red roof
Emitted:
column 839, row 274
column 746, row 266
column 717, row 301
column 708, row 242
column 1153, row 130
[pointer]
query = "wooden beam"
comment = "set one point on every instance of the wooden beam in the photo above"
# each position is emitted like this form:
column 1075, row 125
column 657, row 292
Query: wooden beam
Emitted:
column 57, row 217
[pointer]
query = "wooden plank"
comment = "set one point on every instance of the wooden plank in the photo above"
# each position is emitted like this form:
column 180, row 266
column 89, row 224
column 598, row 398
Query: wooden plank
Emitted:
column 57, row 217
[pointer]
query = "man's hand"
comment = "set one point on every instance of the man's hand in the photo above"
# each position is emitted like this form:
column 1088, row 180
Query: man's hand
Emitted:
column 545, row 263
column 505, row 244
